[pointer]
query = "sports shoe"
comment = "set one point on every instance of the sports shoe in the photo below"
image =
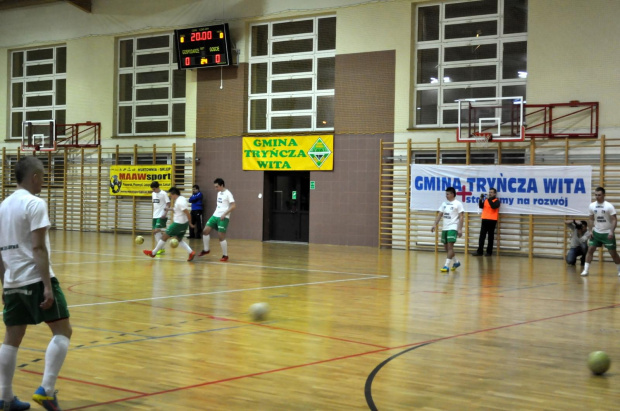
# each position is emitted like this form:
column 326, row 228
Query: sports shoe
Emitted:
column 203, row 252
column 224, row 258
column 49, row 403
column 14, row 405
column 191, row 256
column 456, row 265
column 162, row 251
column 149, row 253
column 585, row 273
column 476, row 254
column 445, row 269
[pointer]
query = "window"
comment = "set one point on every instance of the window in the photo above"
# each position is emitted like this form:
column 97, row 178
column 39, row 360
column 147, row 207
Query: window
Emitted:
column 38, row 86
column 151, row 91
column 292, row 75
column 472, row 49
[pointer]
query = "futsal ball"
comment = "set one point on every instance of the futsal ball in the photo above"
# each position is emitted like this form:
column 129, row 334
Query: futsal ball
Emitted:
column 598, row 362
column 259, row 311
column 139, row 240
column 174, row 243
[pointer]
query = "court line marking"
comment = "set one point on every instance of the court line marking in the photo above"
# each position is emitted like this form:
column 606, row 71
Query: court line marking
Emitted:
column 91, row 383
column 224, row 291
column 344, row 357
column 210, row 262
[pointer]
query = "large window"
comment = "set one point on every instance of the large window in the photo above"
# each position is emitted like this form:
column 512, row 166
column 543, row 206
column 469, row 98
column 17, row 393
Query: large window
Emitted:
column 470, row 49
column 38, row 86
column 151, row 91
column 292, row 72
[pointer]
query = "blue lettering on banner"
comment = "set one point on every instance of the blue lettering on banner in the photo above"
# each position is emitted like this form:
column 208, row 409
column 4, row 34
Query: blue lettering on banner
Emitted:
column 564, row 185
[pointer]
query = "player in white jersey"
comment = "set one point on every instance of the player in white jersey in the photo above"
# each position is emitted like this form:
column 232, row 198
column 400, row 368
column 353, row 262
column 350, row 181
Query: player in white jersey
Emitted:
column 31, row 292
column 161, row 205
column 180, row 221
column 452, row 213
column 603, row 221
column 220, row 219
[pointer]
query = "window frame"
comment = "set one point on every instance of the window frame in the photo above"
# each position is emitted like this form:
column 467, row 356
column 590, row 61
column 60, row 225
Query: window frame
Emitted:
column 25, row 80
column 314, row 93
column 441, row 44
column 134, row 103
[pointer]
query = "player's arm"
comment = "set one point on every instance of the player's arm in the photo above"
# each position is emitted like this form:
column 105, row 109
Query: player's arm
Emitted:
column 439, row 214
column 1, row 270
column 591, row 223
column 189, row 218
column 42, row 263
column 614, row 222
column 231, row 207
column 461, row 218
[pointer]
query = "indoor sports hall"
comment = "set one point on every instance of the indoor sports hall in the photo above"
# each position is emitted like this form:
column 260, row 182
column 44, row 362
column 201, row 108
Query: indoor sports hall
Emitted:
column 337, row 126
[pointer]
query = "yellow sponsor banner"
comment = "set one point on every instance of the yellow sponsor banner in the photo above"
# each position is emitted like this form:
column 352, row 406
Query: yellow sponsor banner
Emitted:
column 136, row 180
column 315, row 153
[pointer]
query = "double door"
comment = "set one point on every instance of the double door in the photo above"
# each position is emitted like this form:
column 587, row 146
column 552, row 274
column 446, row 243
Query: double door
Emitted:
column 287, row 196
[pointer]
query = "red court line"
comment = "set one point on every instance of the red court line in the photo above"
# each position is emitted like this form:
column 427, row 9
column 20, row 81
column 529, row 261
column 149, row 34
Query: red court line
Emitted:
column 233, row 320
column 346, row 357
column 88, row 383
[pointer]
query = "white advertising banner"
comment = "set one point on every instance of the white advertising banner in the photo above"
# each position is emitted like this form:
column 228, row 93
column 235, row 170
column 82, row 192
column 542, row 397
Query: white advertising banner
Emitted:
column 542, row 190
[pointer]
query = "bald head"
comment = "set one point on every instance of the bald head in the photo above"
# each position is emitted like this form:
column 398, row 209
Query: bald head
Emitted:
column 26, row 167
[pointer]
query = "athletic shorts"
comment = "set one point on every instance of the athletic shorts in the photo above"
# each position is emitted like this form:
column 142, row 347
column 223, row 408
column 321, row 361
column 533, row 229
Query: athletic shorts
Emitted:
column 218, row 224
column 449, row 236
column 159, row 222
column 177, row 230
column 599, row 239
column 21, row 305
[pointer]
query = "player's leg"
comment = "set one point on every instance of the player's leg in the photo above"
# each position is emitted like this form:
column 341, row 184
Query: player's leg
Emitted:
column 611, row 247
column 449, row 251
column 593, row 244
column 8, row 361
column 211, row 224
column 222, row 227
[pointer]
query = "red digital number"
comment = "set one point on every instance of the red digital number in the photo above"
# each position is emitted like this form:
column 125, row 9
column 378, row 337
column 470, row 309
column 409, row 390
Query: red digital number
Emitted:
column 218, row 58
column 202, row 35
column 187, row 61
column 193, row 38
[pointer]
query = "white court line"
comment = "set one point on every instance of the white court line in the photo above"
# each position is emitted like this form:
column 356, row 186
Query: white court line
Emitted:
column 226, row 291
column 214, row 262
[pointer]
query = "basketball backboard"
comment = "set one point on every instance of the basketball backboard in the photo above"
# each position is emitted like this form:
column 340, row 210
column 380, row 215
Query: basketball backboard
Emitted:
column 38, row 135
column 501, row 116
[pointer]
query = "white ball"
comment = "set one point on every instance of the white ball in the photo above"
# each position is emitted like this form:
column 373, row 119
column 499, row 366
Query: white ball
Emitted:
column 139, row 240
column 259, row 311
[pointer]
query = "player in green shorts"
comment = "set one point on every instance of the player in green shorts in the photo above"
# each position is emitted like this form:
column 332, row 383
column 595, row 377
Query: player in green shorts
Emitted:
column 31, row 292
column 220, row 219
column 161, row 205
column 603, row 221
column 451, row 211
column 180, row 221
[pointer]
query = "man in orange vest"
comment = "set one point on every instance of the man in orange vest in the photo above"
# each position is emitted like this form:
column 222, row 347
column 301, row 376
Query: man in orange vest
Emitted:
column 490, row 212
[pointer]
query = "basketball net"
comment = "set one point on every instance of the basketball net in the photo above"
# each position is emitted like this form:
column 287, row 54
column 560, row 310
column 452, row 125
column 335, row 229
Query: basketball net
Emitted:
column 482, row 139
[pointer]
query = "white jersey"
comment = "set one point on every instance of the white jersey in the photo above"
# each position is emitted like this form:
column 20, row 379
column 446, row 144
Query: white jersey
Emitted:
column 20, row 214
column 451, row 211
column 180, row 205
column 224, row 199
column 159, row 203
column 602, row 213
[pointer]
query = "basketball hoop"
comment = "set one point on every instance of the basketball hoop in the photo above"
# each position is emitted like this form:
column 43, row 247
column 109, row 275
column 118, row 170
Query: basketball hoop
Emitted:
column 482, row 139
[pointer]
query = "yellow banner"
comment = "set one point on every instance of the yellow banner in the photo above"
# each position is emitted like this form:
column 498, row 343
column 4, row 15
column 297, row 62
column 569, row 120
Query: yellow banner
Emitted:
column 136, row 180
column 315, row 153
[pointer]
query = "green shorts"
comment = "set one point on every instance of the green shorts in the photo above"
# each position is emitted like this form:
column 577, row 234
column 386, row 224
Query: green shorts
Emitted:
column 159, row 222
column 21, row 305
column 599, row 239
column 177, row 230
column 218, row 224
column 449, row 236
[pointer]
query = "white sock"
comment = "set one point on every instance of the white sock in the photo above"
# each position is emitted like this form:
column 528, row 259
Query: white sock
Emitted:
column 54, row 358
column 8, row 362
column 586, row 267
column 205, row 242
column 224, row 245
column 456, row 260
column 448, row 262
column 158, row 236
column 185, row 246
column 618, row 267
column 160, row 244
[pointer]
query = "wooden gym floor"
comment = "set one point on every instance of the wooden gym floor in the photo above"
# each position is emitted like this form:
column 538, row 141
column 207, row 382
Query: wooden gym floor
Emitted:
column 350, row 328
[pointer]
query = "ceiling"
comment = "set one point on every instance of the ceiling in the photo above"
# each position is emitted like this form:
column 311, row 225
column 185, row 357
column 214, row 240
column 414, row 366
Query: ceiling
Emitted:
column 84, row 5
